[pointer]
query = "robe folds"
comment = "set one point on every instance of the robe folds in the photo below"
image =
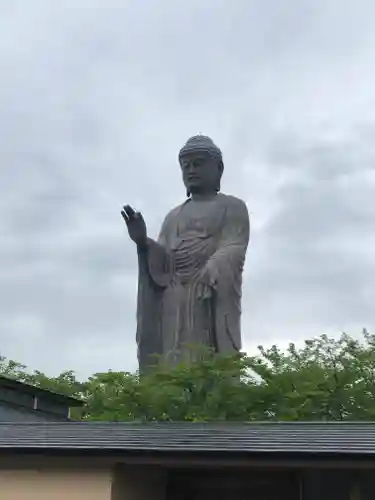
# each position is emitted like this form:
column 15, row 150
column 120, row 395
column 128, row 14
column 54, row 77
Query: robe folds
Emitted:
column 197, row 237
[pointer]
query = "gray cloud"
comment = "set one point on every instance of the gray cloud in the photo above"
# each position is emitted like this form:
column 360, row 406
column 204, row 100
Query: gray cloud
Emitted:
column 95, row 100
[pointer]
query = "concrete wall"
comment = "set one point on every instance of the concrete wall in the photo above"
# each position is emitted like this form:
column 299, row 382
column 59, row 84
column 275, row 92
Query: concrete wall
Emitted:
column 25, row 477
column 55, row 485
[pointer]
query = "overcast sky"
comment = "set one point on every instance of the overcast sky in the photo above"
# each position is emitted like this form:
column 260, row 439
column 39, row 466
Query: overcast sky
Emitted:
column 97, row 97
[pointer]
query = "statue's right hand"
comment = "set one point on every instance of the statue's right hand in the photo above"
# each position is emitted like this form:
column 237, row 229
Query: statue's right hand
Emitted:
column 136, row 225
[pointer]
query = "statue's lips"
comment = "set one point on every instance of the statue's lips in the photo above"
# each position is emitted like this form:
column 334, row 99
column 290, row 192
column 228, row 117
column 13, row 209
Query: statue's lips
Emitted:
column 193, row 179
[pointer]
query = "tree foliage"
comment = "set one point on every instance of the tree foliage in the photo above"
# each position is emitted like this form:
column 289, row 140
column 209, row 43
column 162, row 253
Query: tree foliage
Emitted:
column 325, row 379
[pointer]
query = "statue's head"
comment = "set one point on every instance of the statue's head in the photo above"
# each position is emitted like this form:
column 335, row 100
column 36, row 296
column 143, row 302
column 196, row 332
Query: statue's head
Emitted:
column 202, row 165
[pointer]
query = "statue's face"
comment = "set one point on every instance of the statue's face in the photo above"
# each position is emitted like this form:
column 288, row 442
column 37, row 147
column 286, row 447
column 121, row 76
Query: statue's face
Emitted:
column 200, row 172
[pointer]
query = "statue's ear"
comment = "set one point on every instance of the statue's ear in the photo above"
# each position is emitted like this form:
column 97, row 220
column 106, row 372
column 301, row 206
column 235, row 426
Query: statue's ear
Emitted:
column 221, row 170
column 221, row 167
column 188, row 193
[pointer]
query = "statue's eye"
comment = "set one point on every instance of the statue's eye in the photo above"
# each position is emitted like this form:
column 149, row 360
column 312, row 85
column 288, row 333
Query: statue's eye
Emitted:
column 198, row 162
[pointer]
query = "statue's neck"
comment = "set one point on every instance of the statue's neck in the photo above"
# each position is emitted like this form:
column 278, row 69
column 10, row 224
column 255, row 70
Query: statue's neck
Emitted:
column 203, row 196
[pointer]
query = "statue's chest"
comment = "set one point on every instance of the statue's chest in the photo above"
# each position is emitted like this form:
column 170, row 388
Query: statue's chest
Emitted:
column 199, row 220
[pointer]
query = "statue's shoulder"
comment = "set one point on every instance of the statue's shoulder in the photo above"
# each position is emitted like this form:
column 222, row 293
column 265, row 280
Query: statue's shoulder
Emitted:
column 227, row 201
column 232, row 203
column 174, row 211
column 172, row 215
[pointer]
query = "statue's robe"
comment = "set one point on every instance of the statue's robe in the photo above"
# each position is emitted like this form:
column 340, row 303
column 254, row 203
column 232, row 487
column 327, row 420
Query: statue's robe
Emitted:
column 172, row 315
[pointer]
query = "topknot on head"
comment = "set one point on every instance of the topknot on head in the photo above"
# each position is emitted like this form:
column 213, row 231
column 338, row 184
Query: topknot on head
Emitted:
column 201, row 143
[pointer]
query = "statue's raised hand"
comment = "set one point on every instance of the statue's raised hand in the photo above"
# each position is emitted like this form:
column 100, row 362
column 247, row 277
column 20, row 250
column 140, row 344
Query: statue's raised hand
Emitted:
column 136, row 225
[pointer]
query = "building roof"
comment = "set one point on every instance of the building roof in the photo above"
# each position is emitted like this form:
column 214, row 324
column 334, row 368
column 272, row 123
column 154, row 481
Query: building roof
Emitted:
column 23, row 387
column 250, row 438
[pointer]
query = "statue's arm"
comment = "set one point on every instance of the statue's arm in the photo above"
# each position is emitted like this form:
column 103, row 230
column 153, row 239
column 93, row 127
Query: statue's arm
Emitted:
column 235, row 233
column 230, row 255
column 223, row 273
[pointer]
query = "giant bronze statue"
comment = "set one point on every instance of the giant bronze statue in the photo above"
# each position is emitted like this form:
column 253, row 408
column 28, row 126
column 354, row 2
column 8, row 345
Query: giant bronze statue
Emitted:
column 190, row 279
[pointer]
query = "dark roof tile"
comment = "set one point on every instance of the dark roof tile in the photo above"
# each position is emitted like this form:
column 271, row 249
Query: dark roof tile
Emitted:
column 338, row 437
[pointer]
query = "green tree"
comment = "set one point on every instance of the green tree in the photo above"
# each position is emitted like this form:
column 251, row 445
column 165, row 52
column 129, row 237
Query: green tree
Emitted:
column 325, row 379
